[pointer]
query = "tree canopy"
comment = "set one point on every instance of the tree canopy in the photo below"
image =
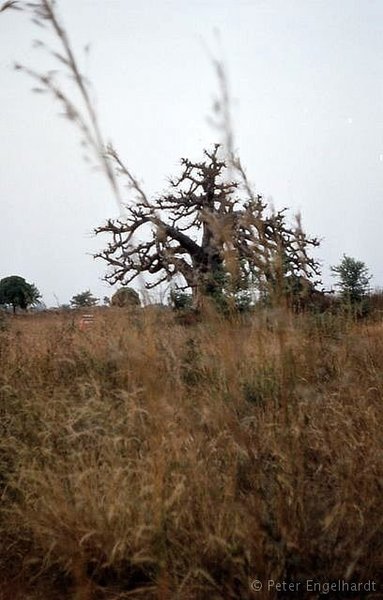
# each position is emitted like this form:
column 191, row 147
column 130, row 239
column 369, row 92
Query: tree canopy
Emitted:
column 16, row 292
column 353, row 278
column 83, row 300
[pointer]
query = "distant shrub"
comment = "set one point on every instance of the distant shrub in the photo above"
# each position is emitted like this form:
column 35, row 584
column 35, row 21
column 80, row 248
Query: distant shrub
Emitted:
column 125, row 297
column 84, row 300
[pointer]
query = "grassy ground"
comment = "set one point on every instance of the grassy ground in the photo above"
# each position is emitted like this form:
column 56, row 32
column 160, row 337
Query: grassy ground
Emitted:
column 146, row 458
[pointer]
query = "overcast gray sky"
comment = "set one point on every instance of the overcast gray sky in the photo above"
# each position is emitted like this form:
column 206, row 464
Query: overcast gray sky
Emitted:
column 307, row 82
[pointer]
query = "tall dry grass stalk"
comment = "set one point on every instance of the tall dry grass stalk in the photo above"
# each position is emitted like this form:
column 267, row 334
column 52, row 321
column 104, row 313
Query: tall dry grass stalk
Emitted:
column 147, row 459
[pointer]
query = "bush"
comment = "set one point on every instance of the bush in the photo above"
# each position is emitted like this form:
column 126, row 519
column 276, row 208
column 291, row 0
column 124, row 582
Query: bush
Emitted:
column 125, row 297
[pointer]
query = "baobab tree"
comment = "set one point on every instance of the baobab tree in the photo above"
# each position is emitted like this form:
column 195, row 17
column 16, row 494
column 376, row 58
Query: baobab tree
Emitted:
column 211, row 234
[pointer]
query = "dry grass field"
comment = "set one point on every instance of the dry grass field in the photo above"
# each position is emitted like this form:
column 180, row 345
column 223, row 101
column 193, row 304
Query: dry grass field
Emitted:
column 149, row 458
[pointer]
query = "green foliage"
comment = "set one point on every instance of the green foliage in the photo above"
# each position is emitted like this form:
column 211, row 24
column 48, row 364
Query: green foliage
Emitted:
column 83, row 300
column 353, row 279
column 243, row 300
column 16, row 292
column 230, row 291
column 225, row 296
column 180, row 300
column 126, row 296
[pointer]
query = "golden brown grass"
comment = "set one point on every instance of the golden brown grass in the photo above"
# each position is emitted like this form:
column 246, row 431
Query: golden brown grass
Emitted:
column 144, row 458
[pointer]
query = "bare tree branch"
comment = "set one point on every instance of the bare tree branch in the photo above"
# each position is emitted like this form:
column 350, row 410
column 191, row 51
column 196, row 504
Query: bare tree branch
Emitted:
column 205, row 232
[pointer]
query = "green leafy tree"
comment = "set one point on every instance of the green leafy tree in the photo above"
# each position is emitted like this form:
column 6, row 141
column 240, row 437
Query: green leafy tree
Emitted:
column 84, row 300
column 353, row 279
column 18, row 293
